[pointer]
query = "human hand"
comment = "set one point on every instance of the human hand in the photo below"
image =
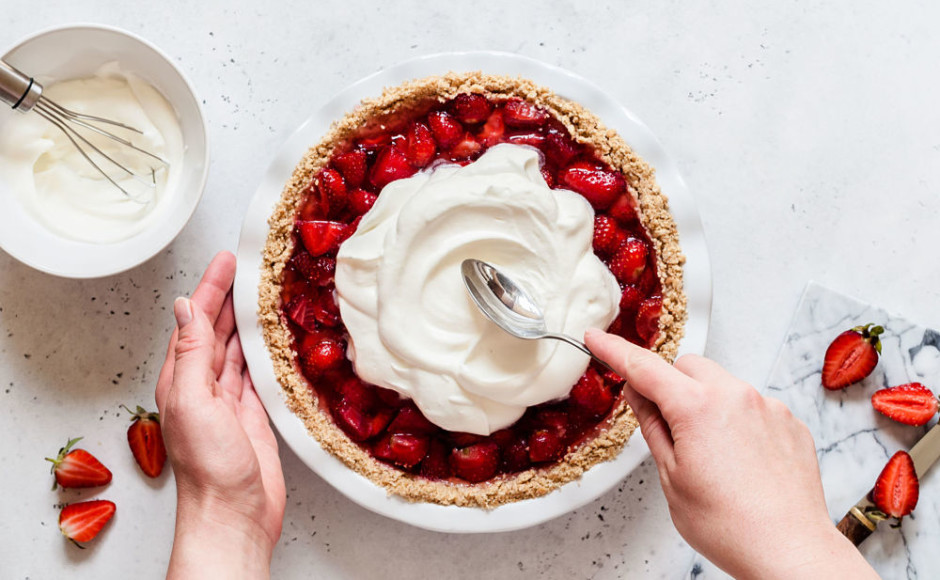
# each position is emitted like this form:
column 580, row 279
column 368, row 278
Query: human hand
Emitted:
column 230, row 487
column 738, row 470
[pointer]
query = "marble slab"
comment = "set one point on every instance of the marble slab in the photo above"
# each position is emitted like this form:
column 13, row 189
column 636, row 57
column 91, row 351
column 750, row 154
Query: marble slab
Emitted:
column 853, row 441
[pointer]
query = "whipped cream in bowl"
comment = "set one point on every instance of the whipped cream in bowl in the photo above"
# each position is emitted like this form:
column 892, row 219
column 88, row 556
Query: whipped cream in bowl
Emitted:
column 414, row 329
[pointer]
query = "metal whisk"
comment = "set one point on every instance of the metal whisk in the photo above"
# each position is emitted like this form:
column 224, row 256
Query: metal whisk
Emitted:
column 24, row 94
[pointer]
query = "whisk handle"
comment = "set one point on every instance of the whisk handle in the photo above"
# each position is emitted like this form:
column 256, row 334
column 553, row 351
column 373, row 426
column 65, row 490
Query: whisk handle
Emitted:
column 18, row 90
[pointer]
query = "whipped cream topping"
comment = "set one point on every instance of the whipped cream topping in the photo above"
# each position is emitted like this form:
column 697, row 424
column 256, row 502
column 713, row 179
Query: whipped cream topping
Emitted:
column 61, row 190
column 414, row 329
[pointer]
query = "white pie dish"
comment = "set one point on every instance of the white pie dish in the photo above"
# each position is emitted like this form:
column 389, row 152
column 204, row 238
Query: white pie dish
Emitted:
column 599, row 478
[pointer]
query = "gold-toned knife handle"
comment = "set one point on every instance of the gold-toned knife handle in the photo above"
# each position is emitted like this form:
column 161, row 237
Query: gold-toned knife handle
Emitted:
column 855, row 526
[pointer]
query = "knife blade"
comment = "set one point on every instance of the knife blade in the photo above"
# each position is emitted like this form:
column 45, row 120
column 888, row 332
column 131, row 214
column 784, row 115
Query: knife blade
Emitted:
column 856, row 525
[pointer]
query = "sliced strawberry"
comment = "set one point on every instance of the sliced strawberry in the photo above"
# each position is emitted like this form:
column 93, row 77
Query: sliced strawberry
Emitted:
column 629, row 261
column 649, row 282
column 78, row 468
column 623, row 210
column 559, row 148
column 353, row 421
column 446, row 129
column 325, row 309
column 302, row 311
column 145, row 439
column 897, row 488
column 477, row 462
column 544, row 445
column 321, row 237
column 522, row 114
column 647, row 318
column 461, row 439
column 334, row 186
column 599, row 186
column 391, row 164
column 608, row 236
column 531, row 139
column 411, row 420
column 911, row 404
column 380, row 421
column 324, row 356
column 319, row 271
column 358, row 393
column 375, row 141
column 389, row 397
column 630, row 298
column 471, row 108
column 419, row 145
column 435, row 464
column 353, row 166
column 592, row 394
column 494, row 129
column 466, row 148
column 548, row 176
column 402, row 449
column 852, row 356
column 81, row 522
column 555, row 420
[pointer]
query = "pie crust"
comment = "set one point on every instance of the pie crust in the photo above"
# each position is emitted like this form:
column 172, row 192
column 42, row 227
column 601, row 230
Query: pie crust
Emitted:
column 584, row 127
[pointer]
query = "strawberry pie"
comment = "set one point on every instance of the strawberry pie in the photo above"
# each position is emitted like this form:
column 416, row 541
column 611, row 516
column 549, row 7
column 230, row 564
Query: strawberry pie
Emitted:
column 374, row 340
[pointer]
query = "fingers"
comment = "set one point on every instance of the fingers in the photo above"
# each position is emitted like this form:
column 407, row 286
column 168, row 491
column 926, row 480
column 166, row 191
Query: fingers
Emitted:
column 233, row 367
column 645, row 371
column 653, row 427
column 195, row 349
column 224, row 329
column 215, row 284
column 166, row 373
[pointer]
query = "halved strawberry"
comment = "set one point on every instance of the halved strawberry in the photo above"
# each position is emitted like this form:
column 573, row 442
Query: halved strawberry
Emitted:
column 81, row 522
column 852, row 356
column 325, row 309
column 548, row 176
column 359, row 393
column 324, row 356
column 492, row 132
column 353, row 421
column 477, row 462
column 608, row 236
column 146, row 441
column 78, row 468
column 391, row 164
column 471, row 108
column 629, row 261
column 411, row 420
column 302, row 311
column 647, row 318
column 361, row 201
column 321, row 237
column 599, row 186
column 318, row 270
column 522, row 114
column 559, row 148
column 911, row 404
column 402, row 449
column 896, row 491
column 623, row 209
column 353, row 166
column 467, row 147
column 419, row 145
column 446, row 129
column 334, row 186
column 530, row 139
column 630, row 298
column 592, row 394
column 515, row 456
column 544, row 445
column 435, row 464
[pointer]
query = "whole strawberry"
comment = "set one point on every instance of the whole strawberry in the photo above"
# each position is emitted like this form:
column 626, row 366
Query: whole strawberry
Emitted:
column 852, row 356
column 81, row 522
column 146, row 441
column 896, row 491
column 911, row 404
column 78, row 468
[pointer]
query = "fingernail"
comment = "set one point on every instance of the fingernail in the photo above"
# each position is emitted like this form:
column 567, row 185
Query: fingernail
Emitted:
column 183, row 310
column 591, row 332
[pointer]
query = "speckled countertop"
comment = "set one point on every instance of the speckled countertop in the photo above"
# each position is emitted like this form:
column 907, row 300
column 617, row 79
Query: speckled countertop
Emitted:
column 806, row 131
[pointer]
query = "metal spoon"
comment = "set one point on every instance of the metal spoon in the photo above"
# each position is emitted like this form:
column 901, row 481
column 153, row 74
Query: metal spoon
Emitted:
column 509, row 306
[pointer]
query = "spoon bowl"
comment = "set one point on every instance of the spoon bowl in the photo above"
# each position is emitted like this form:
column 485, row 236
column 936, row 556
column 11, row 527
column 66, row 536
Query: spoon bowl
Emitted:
column 509, row 306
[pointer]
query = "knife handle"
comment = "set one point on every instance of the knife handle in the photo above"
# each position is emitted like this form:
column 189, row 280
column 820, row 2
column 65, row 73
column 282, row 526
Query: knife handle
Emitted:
column 855, row 526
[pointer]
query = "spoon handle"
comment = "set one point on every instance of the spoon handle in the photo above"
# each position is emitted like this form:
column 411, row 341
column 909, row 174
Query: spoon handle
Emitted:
column 580, row 346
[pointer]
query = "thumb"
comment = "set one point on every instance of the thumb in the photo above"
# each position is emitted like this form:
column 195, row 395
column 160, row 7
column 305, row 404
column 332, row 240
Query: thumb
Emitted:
column 195, row 346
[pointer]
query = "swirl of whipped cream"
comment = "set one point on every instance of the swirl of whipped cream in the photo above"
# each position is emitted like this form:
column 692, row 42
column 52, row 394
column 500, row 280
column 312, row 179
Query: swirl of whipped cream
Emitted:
column 414, row 329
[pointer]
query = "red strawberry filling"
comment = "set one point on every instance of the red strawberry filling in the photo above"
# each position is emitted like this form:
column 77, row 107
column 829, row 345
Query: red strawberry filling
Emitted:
column 391, row 428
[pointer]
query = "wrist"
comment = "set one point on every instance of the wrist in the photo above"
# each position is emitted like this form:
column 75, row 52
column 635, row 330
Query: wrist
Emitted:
column 821, row 552
column 212, row 536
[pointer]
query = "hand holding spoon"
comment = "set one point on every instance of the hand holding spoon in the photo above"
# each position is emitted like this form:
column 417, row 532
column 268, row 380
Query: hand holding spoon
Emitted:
column 509, row 306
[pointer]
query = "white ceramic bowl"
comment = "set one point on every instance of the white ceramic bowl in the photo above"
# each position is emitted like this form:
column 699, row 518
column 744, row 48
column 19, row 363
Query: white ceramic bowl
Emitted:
column 77, row 51
column 600, row 478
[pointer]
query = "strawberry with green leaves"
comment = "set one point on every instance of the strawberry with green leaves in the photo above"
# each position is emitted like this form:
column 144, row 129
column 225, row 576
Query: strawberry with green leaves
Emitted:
column 78, row 468
column 852, row 356
column 146, row 441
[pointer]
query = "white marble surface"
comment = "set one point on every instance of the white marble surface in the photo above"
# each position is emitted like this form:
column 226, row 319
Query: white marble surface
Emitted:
column 805, row 130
